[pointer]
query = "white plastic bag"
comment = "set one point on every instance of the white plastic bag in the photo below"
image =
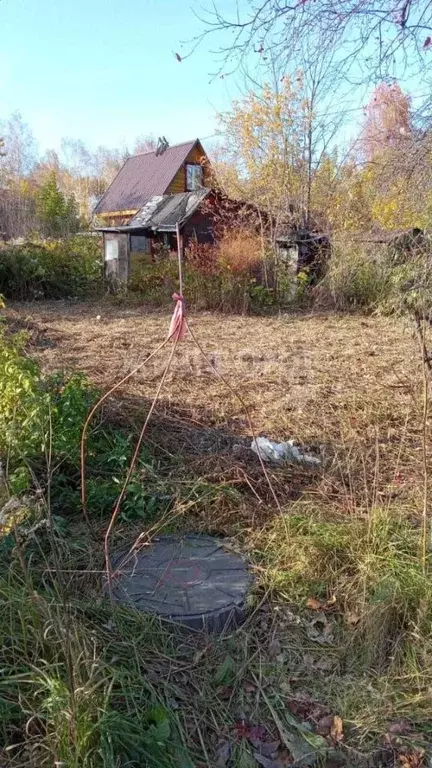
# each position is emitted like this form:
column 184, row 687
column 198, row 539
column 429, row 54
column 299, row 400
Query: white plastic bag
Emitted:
column 279, row 453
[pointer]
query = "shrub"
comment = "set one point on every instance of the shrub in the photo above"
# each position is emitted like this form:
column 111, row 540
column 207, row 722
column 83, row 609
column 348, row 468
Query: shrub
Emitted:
column 223, row 291
column 203, row 258
column 38, row 414
column 226, row 277
column 356, row 277
column 240, row 252
column 51, row 269
column 156, row 282
column 410, row 286
column 41, row 422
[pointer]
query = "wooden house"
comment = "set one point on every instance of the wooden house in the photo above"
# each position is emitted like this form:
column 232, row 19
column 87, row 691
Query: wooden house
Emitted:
column 152, row 195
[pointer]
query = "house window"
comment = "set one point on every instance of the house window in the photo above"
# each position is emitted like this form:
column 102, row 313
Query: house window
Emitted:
column 139, row 244
column 194, row 176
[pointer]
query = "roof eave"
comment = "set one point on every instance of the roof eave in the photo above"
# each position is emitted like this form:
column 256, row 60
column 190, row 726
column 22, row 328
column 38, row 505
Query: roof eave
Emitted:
column 113, row 229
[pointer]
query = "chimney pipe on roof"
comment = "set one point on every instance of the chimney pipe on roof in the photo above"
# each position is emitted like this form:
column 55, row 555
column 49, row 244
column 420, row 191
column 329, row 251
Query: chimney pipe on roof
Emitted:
column 162, row 145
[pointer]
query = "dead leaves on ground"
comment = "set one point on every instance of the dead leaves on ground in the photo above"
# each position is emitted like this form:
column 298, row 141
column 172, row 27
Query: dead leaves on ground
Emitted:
column 317, row 716
column 291, row 741
column 258, row 738
column 407, row 755
column 413, row 758
column 250, row 745
column 336, row 729
column 320, row 630
column 318, row 605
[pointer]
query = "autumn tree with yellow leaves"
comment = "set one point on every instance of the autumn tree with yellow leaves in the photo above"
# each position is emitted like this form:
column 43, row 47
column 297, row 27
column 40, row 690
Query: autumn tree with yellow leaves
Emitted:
column 274, row 157
column 396, row 168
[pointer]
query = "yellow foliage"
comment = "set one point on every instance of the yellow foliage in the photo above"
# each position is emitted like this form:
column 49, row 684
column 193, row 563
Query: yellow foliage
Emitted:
column 262, row 158
column 267, row 160
column 239, row 251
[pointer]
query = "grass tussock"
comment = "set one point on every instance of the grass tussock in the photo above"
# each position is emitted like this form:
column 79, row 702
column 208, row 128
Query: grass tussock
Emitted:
column 69, row 693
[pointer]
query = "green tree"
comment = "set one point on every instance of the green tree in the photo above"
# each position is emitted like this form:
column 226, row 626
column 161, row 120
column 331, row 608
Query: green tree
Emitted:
column 263, row 158
column 72, row 218
column 58, row 215
column 277, row 154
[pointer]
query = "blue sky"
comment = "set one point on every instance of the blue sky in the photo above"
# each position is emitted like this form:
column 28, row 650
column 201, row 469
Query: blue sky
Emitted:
column 105, row 71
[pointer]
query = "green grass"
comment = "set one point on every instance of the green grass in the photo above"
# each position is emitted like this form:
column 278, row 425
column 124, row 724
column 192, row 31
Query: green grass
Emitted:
column 89, row 684
column 72, row 690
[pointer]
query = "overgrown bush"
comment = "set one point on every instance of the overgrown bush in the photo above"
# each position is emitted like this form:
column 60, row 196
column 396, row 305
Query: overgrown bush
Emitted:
column 231, row 276
column 38, row 414
column 203, row 258
column 224, row 291
column 240, row 252
column 411, row 286
column 394, row 278
column 51, row 269
column 41, row 421
column 357, row 277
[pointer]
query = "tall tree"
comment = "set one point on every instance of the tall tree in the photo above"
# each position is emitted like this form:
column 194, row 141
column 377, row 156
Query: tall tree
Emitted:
column 371, row 37
column 396, row 160
column 263, row 134
column 20, row 151
column 388, row 121
column 276, row 150
column 17, row 158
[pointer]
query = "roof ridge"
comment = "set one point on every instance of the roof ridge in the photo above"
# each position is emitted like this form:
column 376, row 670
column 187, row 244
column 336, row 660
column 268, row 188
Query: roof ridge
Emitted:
column 171, row 146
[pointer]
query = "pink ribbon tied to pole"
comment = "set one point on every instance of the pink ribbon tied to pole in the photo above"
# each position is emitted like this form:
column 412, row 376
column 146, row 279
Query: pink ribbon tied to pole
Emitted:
column 177, row 328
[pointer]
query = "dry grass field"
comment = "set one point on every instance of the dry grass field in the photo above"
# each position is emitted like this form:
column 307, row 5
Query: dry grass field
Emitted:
column 349, row 384
column 334, row 662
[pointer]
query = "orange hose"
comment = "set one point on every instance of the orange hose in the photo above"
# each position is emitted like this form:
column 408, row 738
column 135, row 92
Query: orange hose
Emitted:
column 121, row 496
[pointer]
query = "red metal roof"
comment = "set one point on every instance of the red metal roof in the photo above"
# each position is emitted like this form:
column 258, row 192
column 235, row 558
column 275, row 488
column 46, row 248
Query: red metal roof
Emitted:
column 142, row 177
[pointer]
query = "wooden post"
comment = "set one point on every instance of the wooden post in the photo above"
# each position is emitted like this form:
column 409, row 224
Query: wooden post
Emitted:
column 180, row 257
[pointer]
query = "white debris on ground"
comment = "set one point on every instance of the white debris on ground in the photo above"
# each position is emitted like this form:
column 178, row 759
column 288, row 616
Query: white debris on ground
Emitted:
column 279, row 453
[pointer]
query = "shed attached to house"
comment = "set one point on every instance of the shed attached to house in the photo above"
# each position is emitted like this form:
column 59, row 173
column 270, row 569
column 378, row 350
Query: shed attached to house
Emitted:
column 128, row 247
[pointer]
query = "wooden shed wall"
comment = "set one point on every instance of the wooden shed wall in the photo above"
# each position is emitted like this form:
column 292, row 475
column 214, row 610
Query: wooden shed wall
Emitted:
column 117, row 267
column 199, row 227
